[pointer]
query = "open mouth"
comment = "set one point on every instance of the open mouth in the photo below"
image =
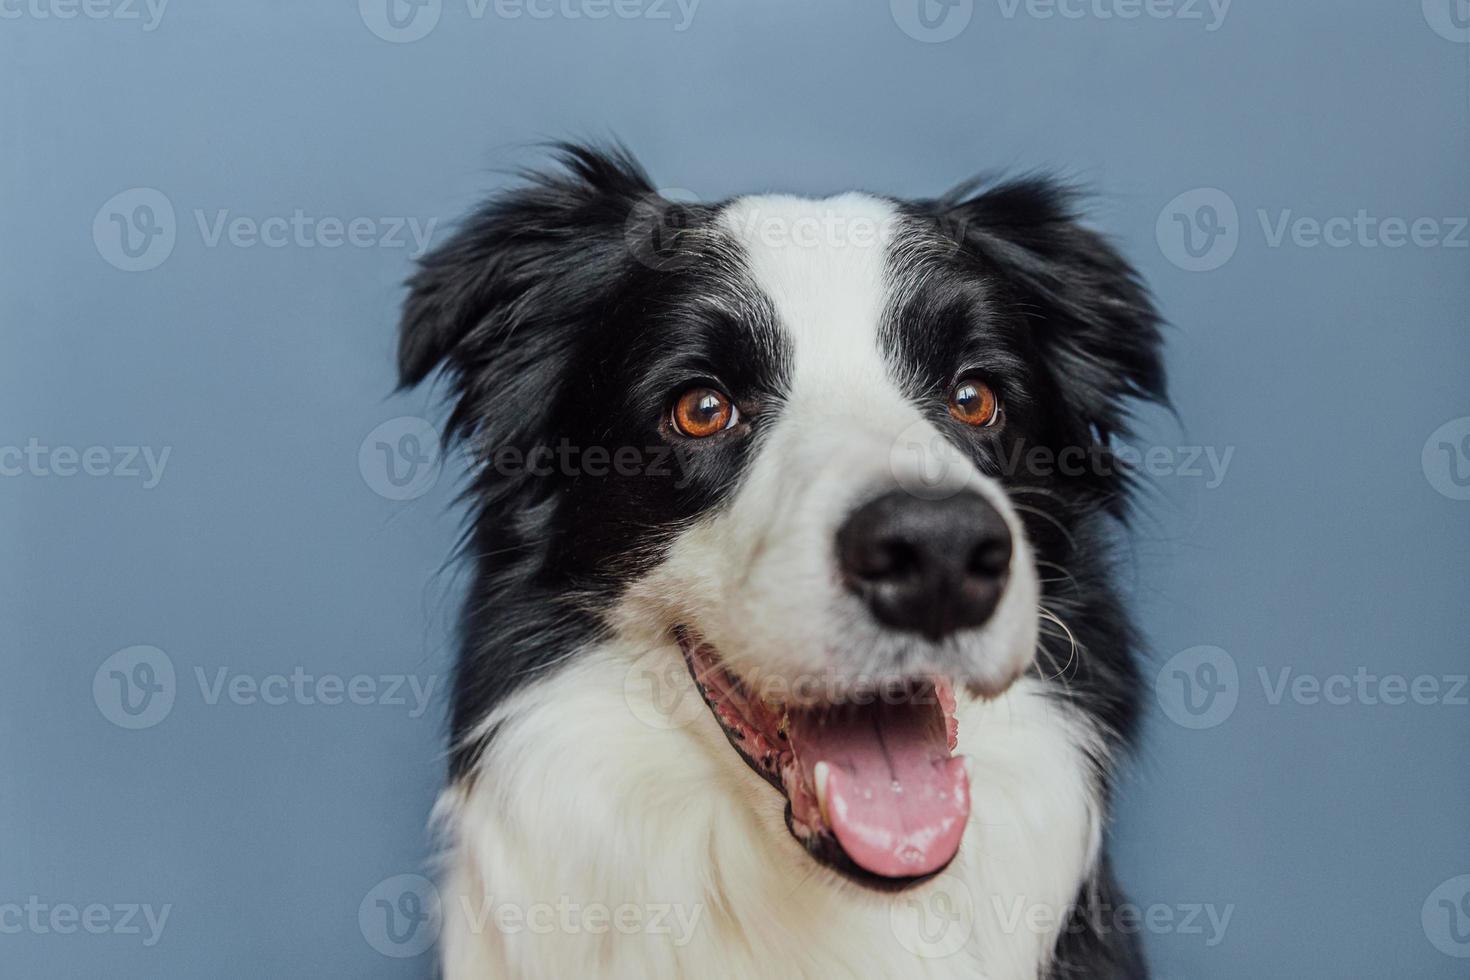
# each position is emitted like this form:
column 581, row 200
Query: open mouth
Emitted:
column 872, row 785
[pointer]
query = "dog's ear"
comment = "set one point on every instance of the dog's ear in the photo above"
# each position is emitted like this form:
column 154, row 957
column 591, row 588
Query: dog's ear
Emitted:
column 1083, row 304
column 493, row 307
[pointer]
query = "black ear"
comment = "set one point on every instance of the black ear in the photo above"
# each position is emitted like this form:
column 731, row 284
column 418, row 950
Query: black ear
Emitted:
column 1083, row 303
column 530, row 264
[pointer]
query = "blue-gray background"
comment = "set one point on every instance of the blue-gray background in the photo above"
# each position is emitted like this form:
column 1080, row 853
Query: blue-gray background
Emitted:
column 1330, row 833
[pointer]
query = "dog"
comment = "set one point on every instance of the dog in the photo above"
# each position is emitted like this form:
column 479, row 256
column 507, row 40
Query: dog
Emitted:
column 791, row 647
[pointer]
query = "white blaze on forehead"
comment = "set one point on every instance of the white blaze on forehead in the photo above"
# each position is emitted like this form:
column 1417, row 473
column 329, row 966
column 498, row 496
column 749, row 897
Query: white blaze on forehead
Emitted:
column 823, row 264
column 826, row 267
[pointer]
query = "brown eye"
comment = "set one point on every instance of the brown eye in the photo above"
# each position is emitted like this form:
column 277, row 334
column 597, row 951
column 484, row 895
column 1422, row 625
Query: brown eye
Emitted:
column 974, row 402
column 702, row 412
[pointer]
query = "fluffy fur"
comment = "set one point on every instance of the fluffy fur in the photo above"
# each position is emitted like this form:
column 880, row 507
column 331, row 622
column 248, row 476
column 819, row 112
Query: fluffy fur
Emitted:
column 566, row 312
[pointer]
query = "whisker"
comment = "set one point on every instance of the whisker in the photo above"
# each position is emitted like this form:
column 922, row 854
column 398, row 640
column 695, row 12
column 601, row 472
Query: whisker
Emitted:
column 1027, row 509
column 1072, row 657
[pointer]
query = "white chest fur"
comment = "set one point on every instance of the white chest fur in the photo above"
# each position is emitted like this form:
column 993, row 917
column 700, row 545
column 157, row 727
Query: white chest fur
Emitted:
column 611, row 832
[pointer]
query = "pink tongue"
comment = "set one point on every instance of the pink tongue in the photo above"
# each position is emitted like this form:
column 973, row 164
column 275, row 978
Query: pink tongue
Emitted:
column 896, row 799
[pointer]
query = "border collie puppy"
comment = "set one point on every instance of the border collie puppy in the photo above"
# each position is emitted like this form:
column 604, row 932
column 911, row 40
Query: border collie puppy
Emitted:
column 791, row 649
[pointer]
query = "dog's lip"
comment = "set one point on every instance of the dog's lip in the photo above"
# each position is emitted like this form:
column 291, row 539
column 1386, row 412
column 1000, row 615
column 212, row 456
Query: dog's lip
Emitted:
column 762, row 757
column 874, row 840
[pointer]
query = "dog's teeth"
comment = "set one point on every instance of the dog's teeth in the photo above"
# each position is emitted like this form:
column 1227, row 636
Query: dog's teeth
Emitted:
column 820, row 775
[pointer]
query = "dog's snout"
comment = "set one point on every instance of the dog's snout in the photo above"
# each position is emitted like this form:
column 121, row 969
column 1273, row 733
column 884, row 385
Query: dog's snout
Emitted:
column 926, row 566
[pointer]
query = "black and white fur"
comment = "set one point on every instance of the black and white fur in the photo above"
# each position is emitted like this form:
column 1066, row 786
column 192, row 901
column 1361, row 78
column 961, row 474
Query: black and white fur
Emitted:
column 567, row 311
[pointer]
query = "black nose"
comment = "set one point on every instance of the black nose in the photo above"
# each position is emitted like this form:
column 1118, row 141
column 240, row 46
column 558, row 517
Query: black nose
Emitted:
column 929, row 566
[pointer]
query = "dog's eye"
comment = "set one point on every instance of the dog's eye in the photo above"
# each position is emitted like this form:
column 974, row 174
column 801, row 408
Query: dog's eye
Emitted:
column 974, row 402
column 701, row 412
